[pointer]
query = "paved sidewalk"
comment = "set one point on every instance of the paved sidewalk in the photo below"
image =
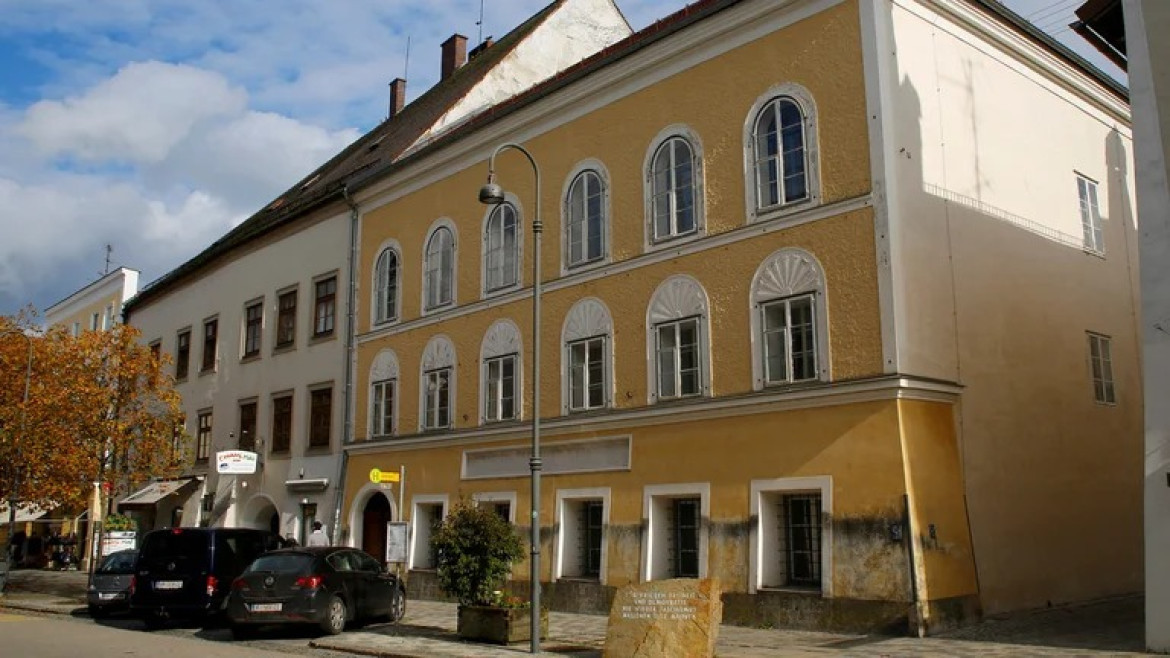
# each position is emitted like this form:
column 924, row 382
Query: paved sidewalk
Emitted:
column 1104, row 628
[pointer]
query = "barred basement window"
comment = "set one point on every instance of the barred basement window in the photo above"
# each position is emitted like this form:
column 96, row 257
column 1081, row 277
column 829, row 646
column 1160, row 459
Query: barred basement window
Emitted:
column 592, row 529
column 684, row 550
column 799, row 532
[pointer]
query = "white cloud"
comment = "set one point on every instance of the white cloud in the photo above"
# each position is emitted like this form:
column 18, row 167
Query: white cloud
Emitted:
column 138, row 115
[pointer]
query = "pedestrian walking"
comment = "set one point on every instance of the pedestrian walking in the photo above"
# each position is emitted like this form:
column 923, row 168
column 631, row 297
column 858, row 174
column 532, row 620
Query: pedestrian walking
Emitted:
column 317, row 537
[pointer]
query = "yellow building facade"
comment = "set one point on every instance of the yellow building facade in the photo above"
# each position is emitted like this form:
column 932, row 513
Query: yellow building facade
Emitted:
column 717, row 395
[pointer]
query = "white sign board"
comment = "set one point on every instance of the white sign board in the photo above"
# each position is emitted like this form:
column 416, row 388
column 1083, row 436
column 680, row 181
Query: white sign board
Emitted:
column 395, row 542
column 112, row 542
column 236, row 462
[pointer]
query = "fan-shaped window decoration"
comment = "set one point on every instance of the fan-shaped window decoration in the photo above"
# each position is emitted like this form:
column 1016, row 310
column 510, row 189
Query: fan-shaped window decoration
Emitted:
column 437, row 384
column 384, row 394
column 789, row 321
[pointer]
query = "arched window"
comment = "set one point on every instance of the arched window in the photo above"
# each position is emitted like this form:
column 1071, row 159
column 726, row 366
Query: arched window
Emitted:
column 500, row 372
column 386, row 286
column 439, row 269
column 789, row 321
column 674, row 207
column 384, row 394
column 677, row 340
column 437, row 384
column 780, row 150
column 585, row 213
column 501, row 249
column 587, row 337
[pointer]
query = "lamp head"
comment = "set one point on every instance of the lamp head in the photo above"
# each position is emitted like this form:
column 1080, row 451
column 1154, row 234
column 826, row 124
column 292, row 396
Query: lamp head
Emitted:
column 491, row 193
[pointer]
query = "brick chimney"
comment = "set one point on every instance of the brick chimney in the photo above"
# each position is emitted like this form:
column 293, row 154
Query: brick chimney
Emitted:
column 397, row 96
column 454, row 55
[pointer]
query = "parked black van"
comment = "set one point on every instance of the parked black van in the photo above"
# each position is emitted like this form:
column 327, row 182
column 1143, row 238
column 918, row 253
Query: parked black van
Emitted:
column 188, row 572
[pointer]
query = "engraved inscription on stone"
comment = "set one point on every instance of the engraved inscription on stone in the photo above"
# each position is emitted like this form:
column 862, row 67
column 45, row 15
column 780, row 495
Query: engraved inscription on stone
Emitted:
column 676, row 618
column 675, row 606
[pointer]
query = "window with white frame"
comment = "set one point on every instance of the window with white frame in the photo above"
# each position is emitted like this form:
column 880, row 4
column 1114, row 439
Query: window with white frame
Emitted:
column 501, row 249
column 1101, row 364
column 788, row 318
column 781, row 165
column 790, row 545
column 677, row 541
column 439, row 269
column 581, row 519
column 676, row 339
column 672, row 177
column 503, row 503
column 427, row 517
column 499, row 388
column 585, row 212
column 1090, row 214
column 436, row 384
column 587, row 373
column 587, row 376
column 386, row 286
column 383, row 394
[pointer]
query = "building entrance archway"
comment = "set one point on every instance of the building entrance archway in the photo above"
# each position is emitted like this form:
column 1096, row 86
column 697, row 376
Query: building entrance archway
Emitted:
column 375, row 515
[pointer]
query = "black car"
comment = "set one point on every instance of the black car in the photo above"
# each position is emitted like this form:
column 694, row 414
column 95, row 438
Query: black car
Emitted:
column 326, row 586
column 109, row 586
column 186, row 572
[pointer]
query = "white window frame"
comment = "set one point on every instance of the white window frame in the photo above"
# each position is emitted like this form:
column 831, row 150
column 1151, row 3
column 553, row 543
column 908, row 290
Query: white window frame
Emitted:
column 378, row 404
column 762, row 543
column 438, row 356
column 589, row 318
column 807, row 106
column 421, row 538
column 501, row 339
column 652, row 495
column 787, row 273
column 567, row 265
column 676, row 370
column 494, row 390
column 1092, row 225
column 563, row 525
column 1101, row 361
column 586, row 382
column 383, row 369
column 382, row 314
column 678, row 298
column 439, row 225
column 498, row 497
column 433, row 402
column 652, row 240
column 490, row 289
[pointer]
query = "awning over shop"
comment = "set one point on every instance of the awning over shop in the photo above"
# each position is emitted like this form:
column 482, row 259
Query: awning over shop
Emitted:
column 306, row 485
column 154, row 492
column 25, row 512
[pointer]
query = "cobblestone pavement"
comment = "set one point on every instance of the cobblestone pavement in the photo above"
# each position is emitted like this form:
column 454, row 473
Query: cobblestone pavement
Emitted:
column 1105, row 628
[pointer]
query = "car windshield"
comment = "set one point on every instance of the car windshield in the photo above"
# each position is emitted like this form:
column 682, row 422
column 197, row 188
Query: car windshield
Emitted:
column 120, row 562
column 282, row 563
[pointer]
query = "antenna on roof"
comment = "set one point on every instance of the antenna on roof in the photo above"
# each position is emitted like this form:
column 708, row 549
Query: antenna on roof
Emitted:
column 109, row 250
column 479, row 24
column 406, row 65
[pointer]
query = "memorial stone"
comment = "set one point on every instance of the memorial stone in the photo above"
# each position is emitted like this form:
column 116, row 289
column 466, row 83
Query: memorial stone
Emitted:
column 665, row 619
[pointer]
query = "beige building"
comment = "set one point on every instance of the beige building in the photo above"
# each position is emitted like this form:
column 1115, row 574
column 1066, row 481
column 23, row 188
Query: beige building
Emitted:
column 97, row 306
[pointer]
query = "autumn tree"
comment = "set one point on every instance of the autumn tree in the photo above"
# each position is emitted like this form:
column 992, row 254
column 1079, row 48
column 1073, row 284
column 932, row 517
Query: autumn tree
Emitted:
column 100, row 409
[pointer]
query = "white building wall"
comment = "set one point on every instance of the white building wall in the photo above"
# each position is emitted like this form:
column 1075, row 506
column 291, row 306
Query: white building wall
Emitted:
column 1146, row 24
column 292, row 258
column 984, row 134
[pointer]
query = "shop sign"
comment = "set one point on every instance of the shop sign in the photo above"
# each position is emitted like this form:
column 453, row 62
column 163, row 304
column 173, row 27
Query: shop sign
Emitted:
column 236, row 462
column 378, row 476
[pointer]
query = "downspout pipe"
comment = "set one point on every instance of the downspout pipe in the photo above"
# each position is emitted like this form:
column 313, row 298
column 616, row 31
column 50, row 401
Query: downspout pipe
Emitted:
column 350, row 349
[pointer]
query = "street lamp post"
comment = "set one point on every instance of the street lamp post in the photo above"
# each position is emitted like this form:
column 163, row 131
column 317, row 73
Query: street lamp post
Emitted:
column 493, row 194
column 12, row 495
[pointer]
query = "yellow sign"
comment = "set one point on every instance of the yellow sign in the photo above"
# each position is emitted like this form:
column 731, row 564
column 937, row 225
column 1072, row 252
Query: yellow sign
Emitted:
column 378, row 476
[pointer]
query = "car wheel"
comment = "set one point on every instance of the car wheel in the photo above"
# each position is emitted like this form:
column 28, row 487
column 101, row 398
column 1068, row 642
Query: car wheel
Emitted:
column 97, row 612
column 243, row 632
column 334, row 621
column 398, row 607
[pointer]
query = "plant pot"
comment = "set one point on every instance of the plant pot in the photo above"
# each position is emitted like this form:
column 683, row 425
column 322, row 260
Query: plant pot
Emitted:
column 499, row 625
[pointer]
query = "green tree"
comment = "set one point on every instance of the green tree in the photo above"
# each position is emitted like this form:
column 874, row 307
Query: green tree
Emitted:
column 474, row 551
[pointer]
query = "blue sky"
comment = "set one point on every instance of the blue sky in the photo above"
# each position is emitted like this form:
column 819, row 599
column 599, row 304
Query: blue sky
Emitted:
column 156, row 125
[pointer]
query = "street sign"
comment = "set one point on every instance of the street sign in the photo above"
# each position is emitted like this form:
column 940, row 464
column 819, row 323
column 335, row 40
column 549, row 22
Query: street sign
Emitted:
column 378, row 476
column 236, row 462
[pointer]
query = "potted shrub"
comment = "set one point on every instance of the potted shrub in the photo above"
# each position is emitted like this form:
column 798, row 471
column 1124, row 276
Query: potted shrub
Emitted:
column 474, row 552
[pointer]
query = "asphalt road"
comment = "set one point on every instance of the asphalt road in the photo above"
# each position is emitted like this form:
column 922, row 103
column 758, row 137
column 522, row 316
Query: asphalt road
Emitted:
column 31, row 635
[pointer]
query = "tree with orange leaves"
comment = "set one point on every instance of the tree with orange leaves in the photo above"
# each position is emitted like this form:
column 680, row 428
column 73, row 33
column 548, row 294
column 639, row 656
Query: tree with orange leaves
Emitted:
column 100, row 409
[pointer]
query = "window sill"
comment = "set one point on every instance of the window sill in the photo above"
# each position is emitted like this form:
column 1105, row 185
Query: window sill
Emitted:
column 1089, row 251
column 584, row 266
column 249, row 358
column 207, row 371
column 581, row 579
column 322, row 338
column 280, row 454
column 287, row 347
column 181, row 380
column 806, row 591
column 776, row 212
column 501, row 291
column 665, row 244
column 321, row 449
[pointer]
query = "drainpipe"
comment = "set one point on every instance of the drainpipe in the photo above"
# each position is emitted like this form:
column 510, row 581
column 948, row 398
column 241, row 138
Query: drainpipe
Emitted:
column 350, row 347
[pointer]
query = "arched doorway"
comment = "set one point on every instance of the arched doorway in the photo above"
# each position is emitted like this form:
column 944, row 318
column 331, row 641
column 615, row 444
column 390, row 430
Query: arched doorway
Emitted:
column 262, row 514
column 376, row 514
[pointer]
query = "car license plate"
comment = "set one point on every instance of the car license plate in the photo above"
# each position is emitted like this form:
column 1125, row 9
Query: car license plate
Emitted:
column 266, row 607
column 109, row 596
column 168, row 584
